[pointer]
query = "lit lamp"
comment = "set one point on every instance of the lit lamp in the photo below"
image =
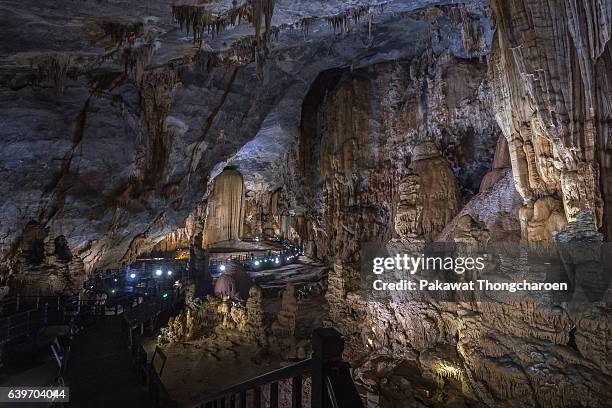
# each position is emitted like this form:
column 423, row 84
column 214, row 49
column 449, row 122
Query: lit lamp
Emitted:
column 158, row 272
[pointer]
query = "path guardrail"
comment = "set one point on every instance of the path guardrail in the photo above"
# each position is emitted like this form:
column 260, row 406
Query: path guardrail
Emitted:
column 332, row 384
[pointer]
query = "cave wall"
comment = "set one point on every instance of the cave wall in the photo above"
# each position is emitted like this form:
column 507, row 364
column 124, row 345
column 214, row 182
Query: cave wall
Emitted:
column 45, row 265
column 550, row 71
column 546, row 89
column 376, row 126
column 504, row 350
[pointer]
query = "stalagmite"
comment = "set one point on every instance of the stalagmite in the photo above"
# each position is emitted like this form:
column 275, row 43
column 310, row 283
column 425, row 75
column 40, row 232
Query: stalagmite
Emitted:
column 197, row 19
column 284, row 326
column 258, row 169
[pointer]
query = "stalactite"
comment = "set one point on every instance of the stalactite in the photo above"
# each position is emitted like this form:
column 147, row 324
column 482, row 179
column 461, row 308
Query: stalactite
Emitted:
column 472, row 32
column 206, row 60
column 122, row 32
column 136, row 58
column 197, row 19
column 549, row 67
column 52, row 67
column 157, row 87
column 342, row 22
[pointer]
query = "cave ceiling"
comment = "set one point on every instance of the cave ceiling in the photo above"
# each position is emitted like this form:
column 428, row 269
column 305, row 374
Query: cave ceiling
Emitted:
column 114, row 122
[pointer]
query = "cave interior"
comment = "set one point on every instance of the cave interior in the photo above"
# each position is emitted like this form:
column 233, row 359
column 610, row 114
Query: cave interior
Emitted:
column 192, row 193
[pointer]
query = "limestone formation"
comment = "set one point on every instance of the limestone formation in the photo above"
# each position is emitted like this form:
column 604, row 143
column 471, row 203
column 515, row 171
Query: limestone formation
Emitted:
column 501, row 163
column 167, row 335
column 45, row 265
column 498, row 208
column 542, row 220
column 440, row 197
column 284, row 327
column 225, row 211
column 408, row 221
column 121, row 144
column 199, row 268
column 255, row 325
column 164, row 128
column 470, row 231
column 235, row 283
column 548, row 84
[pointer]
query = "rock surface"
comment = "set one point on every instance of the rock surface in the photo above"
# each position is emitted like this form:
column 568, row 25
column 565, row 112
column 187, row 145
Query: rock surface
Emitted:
column 344, row 122
column 121, row 123
column 550, row 69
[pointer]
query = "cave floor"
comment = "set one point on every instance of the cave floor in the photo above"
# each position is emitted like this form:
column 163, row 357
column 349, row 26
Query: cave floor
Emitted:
column 200, row 367
column 217, row 360
column 100, row 371
column 31, row 363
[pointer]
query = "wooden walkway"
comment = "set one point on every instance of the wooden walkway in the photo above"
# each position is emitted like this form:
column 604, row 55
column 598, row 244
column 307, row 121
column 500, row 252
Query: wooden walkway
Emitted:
column 100, row 371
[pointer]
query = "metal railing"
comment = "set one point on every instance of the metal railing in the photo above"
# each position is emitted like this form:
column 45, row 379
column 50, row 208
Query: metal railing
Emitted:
column 148, row 312
column 332, row 385
column 147, row 371
column 272, row 259
column 21, row 324
column 23, row 316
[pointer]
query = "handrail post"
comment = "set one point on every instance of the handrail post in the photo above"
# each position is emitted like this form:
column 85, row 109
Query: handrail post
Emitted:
column 332, row 384
column 327, row 347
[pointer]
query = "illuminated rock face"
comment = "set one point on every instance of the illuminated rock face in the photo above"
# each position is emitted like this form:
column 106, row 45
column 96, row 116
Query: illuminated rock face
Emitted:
column 547, row 95
column 408, row 221
column 225, row 212
column 551, row 72
column 393, row 150
column 420, row 126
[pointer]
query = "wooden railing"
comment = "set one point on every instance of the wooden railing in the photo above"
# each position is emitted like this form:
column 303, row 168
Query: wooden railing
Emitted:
column 332, row 385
